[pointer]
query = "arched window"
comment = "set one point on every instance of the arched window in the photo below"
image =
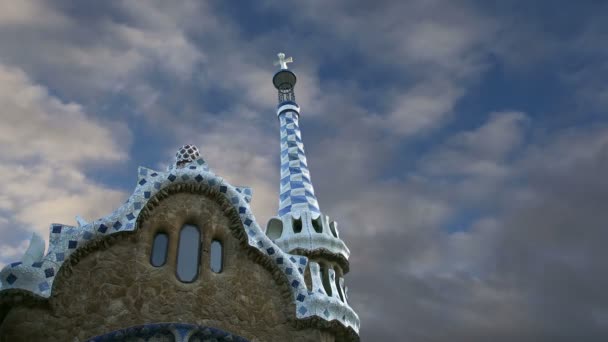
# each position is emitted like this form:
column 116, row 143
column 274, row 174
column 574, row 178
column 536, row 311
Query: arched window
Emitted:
column 158, row 257
column 188, row 253
column 217, row 256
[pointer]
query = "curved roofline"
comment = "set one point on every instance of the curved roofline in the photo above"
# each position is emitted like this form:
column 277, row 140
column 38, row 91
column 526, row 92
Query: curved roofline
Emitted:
column 64, row 240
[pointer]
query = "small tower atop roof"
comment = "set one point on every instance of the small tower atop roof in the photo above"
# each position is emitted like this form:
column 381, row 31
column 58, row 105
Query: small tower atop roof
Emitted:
column 300, row 226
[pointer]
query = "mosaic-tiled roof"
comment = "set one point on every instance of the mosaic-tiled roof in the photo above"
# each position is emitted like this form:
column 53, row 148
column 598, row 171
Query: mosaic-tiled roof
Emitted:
column 38, row 276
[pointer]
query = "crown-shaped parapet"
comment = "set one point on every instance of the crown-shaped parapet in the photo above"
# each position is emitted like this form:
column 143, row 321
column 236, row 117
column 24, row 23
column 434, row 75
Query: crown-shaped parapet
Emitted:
column 305, row 234
column 331, row 294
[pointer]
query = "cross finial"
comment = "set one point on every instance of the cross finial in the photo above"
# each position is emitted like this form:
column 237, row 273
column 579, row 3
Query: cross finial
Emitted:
column 283, row 61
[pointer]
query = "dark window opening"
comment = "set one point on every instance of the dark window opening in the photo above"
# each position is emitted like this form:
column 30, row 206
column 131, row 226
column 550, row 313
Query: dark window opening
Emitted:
column 217, row 256
column 325, row 278
column 297, row 225
column 188, row 253
column 317, row 225
column 158, row 256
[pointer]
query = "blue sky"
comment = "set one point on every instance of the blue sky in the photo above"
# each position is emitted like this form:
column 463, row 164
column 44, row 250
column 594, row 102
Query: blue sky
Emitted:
column 462, row 146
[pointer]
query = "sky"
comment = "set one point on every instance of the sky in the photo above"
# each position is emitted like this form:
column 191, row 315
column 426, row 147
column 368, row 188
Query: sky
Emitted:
column 461, row 146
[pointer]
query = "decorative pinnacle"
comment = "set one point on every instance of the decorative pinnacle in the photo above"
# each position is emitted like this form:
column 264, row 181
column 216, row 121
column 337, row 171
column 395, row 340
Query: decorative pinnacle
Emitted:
column 283, row 61
column 186, row 154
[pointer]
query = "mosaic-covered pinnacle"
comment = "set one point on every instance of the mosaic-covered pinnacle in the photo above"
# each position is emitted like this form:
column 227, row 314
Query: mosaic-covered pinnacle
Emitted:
column 186, row 154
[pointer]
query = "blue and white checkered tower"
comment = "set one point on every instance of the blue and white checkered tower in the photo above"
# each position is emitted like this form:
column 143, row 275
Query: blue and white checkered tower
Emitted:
column 296, row 192
column 300, row 227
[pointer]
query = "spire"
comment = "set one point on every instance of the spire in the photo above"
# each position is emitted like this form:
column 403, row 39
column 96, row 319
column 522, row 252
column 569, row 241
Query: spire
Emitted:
column 296, row 191
column 301, row 228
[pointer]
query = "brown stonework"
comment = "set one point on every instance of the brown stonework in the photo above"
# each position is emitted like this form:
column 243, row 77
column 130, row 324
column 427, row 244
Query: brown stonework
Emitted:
column 112, row 285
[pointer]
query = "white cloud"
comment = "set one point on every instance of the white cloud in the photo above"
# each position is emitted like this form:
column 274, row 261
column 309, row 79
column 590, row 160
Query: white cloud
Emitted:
column 29, row 13
column 422, row 108
column 170, row 49
column 44, row 145
column 86, row 59
column 39, row 126
column 12, row 252
column 481, row 152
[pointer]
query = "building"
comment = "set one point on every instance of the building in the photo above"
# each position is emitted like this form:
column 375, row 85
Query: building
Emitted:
column 183, row 259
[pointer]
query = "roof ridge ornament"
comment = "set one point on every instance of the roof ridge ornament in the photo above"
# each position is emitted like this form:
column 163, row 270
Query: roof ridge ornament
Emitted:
column 186, row 154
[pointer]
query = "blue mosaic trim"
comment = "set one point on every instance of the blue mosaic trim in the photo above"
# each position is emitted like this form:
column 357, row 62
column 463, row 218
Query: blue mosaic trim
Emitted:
column 179, row 331
column 64, row 239
column 247, row 192
column 296, row 192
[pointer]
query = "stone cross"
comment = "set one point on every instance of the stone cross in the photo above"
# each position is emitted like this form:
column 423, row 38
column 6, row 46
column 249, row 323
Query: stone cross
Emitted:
column 283, row 61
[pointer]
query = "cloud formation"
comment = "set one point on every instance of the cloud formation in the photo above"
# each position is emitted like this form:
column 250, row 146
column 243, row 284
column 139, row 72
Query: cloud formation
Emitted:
column 44, row 146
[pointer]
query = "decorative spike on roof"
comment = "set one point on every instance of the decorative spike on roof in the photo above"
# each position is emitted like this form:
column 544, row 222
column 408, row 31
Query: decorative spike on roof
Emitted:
column 35, row 251
column 81, row 222
column 186, row 154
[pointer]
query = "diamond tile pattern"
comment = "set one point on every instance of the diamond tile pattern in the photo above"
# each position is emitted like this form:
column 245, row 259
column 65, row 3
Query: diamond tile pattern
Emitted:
column 296, row 191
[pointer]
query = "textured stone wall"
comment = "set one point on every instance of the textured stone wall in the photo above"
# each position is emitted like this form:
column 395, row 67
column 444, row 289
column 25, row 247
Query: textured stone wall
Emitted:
column 114, row 286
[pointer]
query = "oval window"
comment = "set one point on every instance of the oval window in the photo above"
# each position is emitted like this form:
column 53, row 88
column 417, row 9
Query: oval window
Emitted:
column 188, row 253
column 159, row 250
column 217, row 256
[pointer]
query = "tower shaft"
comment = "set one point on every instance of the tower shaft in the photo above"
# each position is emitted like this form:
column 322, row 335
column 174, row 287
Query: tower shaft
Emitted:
column 296, row 191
